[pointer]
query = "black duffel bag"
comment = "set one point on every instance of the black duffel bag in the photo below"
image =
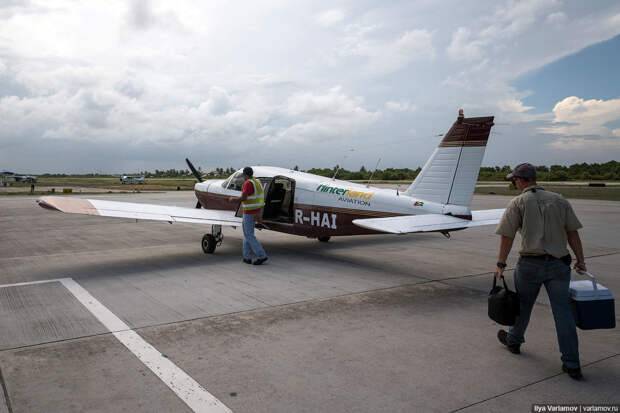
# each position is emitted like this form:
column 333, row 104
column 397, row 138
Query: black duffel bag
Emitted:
column 503, row 304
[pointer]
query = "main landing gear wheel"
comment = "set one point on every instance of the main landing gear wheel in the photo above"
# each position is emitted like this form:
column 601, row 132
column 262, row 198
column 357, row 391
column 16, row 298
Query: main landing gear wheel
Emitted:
column 324, row 238
column 212, row 240
column 208, row 244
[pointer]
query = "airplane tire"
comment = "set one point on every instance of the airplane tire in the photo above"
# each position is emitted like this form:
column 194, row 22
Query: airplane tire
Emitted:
column 324, row 238
column 208, row 244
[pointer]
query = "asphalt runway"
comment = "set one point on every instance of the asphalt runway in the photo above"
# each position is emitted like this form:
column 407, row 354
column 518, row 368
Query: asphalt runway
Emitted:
column 117, row 315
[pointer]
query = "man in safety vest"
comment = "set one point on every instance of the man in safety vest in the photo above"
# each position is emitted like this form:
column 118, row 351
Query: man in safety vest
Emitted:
column 252, row 201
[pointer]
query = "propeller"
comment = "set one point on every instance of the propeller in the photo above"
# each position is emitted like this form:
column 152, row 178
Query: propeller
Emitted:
column 197, row 176
column 194, row 171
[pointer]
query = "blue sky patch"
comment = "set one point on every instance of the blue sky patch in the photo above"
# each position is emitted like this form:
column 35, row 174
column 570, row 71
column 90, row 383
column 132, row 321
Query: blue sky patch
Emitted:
column 591, row 73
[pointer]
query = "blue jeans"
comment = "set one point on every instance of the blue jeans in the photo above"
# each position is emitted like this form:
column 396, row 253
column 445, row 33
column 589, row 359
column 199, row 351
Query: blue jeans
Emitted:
column 251, row 246
column 530, row 275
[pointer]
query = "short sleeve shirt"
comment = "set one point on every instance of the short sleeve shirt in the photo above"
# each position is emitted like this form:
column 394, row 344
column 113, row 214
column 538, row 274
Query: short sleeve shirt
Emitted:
column 542, row 218
column 248, row 188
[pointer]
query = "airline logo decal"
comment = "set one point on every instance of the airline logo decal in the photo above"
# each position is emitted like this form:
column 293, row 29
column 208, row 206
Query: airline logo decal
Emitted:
column 347, row 195
column 316, row 218
column 418, row 203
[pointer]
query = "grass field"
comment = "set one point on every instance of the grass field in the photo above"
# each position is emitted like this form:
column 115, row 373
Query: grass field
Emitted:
column 102, row 185
column 165, row 184
column 608, row 193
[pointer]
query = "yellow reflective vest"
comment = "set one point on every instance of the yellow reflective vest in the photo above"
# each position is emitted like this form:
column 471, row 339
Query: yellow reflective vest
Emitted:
column 257, row 199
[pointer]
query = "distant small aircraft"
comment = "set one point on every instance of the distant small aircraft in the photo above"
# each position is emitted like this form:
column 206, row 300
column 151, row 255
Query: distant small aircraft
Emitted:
column 313, row 206
column 13, row 177
column 125, row 179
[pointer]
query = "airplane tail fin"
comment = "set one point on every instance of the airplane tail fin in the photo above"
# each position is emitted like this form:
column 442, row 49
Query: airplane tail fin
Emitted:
column 450, row 174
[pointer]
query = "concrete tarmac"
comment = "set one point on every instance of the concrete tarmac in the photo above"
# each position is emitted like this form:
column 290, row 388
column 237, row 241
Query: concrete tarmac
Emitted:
column 359, row 324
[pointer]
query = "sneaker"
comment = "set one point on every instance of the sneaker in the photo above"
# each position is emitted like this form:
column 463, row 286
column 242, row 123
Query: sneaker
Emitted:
column 260, row 261
column 502, row 336
column 247, row 261
column 574, row 373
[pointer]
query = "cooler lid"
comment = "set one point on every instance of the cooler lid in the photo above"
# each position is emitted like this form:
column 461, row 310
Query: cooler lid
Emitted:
column 583, row 290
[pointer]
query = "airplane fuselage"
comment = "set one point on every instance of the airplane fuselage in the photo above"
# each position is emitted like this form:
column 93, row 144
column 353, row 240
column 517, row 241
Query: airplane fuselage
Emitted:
column 318, row 206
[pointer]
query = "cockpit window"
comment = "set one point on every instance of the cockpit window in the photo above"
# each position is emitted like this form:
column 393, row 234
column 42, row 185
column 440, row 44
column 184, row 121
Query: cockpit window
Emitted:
column 234, row 182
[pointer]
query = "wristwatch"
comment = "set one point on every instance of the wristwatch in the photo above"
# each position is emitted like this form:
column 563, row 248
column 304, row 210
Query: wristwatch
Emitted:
column 501, row 265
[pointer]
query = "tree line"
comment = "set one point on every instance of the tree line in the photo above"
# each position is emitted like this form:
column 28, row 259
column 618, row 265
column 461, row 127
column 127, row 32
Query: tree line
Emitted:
column 608, row 171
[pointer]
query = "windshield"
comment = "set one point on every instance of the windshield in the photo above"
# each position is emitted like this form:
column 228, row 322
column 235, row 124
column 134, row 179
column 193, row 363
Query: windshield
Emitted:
column 234, row 182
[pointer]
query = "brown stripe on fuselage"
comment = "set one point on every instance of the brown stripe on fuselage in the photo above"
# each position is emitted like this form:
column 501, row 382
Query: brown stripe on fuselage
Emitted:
column 358, row 213
column 210, row 200
column 344, row 220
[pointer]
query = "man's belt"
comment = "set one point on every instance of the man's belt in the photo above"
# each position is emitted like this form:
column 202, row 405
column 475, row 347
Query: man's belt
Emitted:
column 545, row 257
column 567, row 258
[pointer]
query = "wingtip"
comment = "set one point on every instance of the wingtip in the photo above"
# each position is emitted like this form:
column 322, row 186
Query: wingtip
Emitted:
column 47, row 203
column 69, row 205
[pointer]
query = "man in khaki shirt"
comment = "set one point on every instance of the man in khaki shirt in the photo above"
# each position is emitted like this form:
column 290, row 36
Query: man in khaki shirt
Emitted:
column 547, row 222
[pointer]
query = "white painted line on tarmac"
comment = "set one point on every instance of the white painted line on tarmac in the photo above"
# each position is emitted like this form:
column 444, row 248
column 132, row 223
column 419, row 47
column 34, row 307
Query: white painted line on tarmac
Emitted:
column 193, row 394
column 30, row 283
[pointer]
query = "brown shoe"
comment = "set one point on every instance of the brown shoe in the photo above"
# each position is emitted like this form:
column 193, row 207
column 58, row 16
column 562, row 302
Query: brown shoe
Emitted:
column 502, row 336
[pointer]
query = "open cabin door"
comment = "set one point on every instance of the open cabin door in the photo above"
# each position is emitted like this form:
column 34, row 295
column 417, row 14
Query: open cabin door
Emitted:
column 279, row 199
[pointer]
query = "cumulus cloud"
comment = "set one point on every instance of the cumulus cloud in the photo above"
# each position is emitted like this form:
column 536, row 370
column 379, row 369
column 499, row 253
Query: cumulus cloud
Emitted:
column 10, row 8
column 404, row 105
column 508, row 20
column 317, row 117
column 141, row 15
column 464, row 47
column 386, row 55
column 557, row 18
column 582, row 124
column 87, row 106
column 580, row 144
column 575, row 116
column 513, row 105
column 164, row 78
column 330, row 17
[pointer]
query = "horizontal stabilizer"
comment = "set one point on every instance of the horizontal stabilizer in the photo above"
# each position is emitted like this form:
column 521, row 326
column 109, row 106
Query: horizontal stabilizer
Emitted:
column 429, row 222
column 139, row 211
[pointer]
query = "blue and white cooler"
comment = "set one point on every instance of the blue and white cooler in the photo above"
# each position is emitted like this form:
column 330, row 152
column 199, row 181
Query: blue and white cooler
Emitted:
column 592, row 304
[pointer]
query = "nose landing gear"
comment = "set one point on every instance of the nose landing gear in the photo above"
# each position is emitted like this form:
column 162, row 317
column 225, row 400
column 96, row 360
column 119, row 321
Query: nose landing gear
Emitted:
column 212, row 240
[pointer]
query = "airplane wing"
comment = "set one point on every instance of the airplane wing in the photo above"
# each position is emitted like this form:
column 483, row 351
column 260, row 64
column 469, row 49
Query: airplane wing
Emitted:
column 429, row 222
column 139, row 211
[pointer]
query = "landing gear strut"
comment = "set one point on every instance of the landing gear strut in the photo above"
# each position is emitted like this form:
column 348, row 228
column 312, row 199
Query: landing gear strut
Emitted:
column 212, row 240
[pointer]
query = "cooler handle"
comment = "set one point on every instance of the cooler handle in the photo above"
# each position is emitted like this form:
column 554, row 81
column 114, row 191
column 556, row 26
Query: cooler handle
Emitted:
column 594, row 284
column 592, row 278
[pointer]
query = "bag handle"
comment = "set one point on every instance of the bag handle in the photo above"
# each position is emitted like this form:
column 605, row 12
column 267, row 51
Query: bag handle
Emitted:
column 593, row 279
column 503, row 280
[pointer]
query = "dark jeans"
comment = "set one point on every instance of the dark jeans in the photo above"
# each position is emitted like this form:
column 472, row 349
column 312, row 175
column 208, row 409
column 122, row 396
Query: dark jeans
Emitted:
column 530, row 275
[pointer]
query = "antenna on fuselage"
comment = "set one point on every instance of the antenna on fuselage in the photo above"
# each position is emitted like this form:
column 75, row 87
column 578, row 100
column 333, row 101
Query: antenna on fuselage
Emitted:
column 373, row 173
column 339, row 168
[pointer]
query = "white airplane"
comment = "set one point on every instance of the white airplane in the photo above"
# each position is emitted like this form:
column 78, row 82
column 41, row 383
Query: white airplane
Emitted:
column 7, row 177
column 313, row 206
column 125, row 179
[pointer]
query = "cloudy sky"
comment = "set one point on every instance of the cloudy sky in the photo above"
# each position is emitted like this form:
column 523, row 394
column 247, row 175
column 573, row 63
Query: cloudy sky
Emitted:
column 122, row 86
